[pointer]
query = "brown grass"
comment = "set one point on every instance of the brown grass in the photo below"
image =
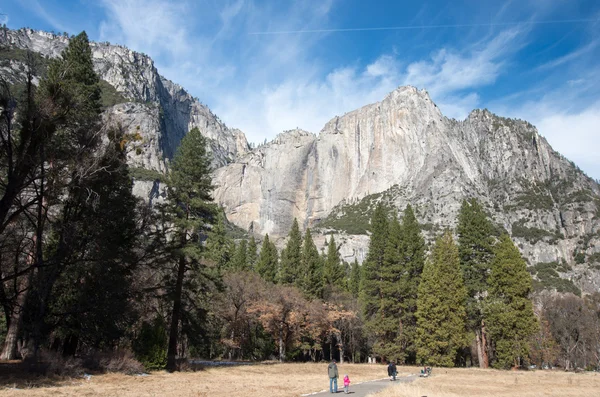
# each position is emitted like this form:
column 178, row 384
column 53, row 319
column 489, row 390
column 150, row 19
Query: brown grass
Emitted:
column 491, row 383
column 245, row 381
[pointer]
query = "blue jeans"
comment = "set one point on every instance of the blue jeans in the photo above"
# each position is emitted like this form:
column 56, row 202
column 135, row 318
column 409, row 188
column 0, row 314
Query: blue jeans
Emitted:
column 333, row 385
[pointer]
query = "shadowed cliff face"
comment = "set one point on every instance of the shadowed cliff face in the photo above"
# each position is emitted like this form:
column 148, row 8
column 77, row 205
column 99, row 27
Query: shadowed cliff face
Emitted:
column 400, row 150
column 160, row 111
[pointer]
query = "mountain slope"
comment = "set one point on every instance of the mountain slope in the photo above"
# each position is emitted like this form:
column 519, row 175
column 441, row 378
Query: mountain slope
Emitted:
column 145, row 103
column 404, row 150
column 400, row 150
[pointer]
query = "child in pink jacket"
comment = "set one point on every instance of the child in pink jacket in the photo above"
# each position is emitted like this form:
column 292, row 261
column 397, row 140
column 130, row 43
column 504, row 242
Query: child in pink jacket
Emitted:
column 346, row 383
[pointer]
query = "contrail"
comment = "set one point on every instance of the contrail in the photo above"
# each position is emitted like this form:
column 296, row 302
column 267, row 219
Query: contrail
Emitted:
column 465, row 25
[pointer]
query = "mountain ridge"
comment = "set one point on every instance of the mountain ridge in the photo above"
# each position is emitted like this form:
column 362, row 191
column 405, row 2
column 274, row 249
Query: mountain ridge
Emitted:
column 401, row 148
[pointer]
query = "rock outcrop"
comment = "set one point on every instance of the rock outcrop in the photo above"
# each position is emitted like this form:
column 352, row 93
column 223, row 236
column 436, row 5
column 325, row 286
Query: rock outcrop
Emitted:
column 400, row 150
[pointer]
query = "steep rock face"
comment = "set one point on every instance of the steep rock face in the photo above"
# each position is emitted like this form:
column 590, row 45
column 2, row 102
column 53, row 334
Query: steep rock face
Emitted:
column 162, row 110
column 405, row 147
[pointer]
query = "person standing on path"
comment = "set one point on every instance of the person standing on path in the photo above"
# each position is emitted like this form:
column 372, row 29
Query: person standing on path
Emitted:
column 392, row 371
column 332, row 371
column 346, row 383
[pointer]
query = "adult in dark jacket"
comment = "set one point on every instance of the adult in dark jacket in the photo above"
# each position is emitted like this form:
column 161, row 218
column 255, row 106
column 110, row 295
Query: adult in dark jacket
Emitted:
column 332, row 371
column 392, row 371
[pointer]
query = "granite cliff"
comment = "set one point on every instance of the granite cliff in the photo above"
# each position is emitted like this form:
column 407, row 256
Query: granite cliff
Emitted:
column 400, row 150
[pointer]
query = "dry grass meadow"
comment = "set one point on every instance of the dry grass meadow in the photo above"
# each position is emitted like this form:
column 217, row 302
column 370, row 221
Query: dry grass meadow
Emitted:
column 460, row 382
column 279, row 380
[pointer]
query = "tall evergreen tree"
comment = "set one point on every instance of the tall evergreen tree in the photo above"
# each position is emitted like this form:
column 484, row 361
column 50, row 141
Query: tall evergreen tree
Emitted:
column 475, row 247
column 333, row 269
column 412, row 249
column 252, row 255
column 370, row 287
column 52, row 154
column 354, row 282
column 441, row 315
column 310, row 277
column 190, row 204
column 266, row 266
column 387, row 327
column 291, row 256
column 509, row 311
column 240, row 258
column 219, row 246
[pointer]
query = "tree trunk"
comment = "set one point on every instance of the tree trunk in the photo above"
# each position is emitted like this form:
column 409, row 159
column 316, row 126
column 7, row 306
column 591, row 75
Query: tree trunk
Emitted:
column 484, row 351
column 341, row 344
column 479, row 349
column 281, row 349
column 174, row 329
column 9, row 352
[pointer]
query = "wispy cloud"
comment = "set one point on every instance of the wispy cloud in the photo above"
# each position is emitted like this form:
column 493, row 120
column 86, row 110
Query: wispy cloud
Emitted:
column 571, row 56
column 40, row 11
column 152, row 26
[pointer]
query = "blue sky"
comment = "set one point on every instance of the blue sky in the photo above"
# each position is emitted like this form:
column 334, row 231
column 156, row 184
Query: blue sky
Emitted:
column 257, row 68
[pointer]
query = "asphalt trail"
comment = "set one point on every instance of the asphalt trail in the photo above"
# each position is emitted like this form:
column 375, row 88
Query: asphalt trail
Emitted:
column 366, row 388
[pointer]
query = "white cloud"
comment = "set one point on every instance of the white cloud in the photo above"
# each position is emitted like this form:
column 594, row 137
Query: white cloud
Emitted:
column 151, row 26
column 307, row 99
column 575, row 135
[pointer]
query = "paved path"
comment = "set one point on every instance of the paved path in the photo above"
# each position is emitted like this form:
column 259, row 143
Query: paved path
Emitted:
column 366, row 388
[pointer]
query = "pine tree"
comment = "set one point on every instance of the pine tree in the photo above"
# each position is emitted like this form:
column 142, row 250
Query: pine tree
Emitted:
column 291, row 256
column 310, row 277
column 354, row 282
column 475, row 247
column 412, row 259
column 509, row 312
column 219, row 247
column 266, row 266
column 191, row 208
column 441, row 315
column 240, row 258
column 333, row 269
column 252, row 254
column 370, row 287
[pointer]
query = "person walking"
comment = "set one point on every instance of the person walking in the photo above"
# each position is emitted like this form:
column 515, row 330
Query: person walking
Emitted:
column 332, row 371
column 392, row 371
column 346, row 383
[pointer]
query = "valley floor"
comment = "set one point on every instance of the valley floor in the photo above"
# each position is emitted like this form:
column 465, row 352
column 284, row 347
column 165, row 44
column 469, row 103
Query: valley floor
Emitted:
column 459, row 382
column 283, row 380
column 279, row 380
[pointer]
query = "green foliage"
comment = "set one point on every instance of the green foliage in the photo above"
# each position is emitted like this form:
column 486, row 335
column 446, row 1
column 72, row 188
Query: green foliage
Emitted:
column 8, row 54
column 310, row 275
column 109, row 96
column 475, row 247
column 441, row 315
column 579, row 257
column 266, row 266
column 252, row 255
column 353, row 218
column 400, row 275
column 333, row 270
column 150, row 345
column 370, row 288
column 219, row 246
column 144, row 174
column 291, row 257
column 240, row 258
column 533, row 234
column 509, row 312
column 549, row 279
column 355, row 276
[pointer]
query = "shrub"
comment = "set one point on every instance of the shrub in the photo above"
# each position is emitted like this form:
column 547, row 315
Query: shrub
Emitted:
column 150, row 346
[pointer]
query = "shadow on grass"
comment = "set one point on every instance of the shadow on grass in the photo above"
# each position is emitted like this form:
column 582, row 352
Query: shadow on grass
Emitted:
column 20, row 375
